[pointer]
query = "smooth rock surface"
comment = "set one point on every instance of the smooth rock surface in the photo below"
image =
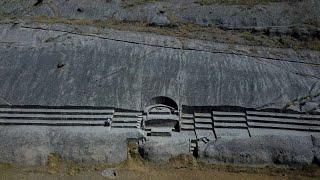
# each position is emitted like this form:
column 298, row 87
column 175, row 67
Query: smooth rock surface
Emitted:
column 288, row 150
column 40, row 66
column 161, row 150
column 316, row 143
column 31, row 145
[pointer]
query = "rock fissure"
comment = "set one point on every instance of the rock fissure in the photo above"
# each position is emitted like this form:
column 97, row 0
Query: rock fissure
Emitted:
column 177, row 48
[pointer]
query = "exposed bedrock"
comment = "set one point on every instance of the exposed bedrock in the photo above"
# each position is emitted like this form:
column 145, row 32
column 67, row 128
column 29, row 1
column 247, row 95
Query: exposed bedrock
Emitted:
column 220, row 13
column 52, row 65
column 161, row 150
column 289, row 150
column 316, row 143
column 31, row 145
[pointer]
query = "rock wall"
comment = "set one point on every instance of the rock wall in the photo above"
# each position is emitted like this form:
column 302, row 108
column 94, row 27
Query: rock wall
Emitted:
column 290, row 150
column 54, row 65
column 31, row 145
column 64, row 64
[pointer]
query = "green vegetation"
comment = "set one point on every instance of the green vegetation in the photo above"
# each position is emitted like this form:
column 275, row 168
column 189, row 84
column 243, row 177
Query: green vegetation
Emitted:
column 247, row 36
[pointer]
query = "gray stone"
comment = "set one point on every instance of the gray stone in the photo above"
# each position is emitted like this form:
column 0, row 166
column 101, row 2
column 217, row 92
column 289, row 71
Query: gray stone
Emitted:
column 126, row 70
column 109, row 173
column 316, row 143
column 31, row 145
column 160, row 150
column 310, row 106
column 160, row 21
column 289, row 150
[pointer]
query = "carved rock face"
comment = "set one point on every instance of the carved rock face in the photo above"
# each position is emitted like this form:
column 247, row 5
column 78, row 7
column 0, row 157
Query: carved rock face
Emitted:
column 161, row 116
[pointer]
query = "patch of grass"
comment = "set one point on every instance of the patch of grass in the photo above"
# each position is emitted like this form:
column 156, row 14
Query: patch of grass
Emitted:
column 184, row 161
column 315, row 45
column 54, row 163
column 247, row 36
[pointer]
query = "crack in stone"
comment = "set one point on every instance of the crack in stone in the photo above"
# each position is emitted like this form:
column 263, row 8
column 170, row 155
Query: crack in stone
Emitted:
column 170, row 47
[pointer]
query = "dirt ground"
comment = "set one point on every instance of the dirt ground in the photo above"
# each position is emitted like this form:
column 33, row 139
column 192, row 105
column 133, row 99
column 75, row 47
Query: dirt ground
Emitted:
column 148, row 173
column 182, row 167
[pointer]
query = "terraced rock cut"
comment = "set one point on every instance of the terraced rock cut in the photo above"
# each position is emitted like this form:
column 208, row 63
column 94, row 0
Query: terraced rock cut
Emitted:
column 126, row 83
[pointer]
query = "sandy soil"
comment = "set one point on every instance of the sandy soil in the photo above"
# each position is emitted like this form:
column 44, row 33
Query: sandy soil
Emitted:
column 154, row 174
column 182, row 167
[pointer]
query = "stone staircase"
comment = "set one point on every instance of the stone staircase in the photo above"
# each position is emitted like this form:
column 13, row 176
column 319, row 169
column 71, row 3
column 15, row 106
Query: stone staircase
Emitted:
column 230, row 124
column 54, row 116
column 126, row 120
column 187, row 122
column 271, row 122
column 204, row 126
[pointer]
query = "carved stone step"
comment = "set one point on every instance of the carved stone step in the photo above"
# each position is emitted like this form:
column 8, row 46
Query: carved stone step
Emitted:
column 229, row 119
column 202, row 115
column 187, row 121
column 283, row 120
column 56, row 110
column 127, row 114
column 126, row 120
column 187, row 116
column 224, row 113
column 287, row 115
column 203, row 120
column 51, row 122
column 203, row 126
column 124, row 125
column 229, row 125
column 54, row 116
column 187, row 127
column 283, row 126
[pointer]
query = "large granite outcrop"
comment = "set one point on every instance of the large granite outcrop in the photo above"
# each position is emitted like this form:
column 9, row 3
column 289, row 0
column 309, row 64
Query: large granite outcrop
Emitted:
column 160, row 150
column 290, row 150
column 56, row 65
column 63, row 64
column 31, row 145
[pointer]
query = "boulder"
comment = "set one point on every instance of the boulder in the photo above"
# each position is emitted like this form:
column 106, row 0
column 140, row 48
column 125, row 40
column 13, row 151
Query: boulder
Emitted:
column 285, row 150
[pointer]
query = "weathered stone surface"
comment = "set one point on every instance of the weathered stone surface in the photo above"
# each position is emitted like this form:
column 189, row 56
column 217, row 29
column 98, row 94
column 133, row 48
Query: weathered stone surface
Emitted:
column 289, row 150
column 127, row 71
column 31, row 145
column 109, row 173
column 316, row 144
column 161, row 150
column 59, row 64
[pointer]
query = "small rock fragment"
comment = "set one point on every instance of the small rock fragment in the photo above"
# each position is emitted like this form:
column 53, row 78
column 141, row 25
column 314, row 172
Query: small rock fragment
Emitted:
column 110, row 173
